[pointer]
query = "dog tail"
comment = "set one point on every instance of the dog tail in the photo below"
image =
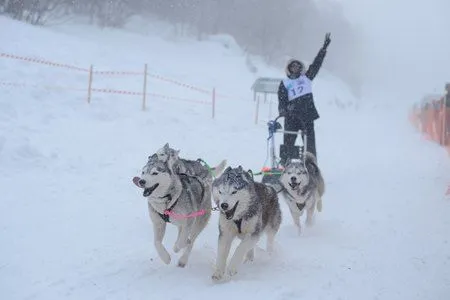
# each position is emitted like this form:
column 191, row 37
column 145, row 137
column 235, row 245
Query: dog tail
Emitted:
column 310, row 158
column 311, row 165
column 217, row 170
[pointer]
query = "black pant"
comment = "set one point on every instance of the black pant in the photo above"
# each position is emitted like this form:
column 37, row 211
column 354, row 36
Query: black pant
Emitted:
column 294, row 124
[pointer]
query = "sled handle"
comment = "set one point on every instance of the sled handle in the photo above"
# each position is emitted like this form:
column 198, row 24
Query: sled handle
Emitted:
column 276, row 119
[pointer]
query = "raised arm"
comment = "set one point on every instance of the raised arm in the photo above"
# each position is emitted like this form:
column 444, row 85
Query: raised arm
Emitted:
column 314, row 68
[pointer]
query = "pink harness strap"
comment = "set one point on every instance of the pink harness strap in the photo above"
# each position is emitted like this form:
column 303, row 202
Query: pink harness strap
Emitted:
column 182, row 216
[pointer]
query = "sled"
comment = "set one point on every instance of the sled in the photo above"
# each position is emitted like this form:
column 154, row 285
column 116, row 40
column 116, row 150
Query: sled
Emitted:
column 272, row 168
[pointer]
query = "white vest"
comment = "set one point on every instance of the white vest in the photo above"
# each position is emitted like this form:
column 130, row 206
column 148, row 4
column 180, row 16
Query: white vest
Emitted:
column 298, row 87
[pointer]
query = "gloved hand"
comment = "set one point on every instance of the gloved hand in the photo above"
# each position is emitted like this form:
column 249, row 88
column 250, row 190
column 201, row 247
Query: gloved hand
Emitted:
column 327, row 41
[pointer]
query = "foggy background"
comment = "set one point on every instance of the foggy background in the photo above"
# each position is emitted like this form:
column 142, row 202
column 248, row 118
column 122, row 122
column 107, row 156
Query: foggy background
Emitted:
column 382, row 50
column 407, row 47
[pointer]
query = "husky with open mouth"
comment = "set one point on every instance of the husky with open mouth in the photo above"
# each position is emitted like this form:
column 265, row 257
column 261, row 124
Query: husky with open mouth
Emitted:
column 170, row 196
column 303, row 188
column 247, row 210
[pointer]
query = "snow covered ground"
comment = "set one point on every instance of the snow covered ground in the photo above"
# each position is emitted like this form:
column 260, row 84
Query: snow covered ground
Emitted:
column 73, row 226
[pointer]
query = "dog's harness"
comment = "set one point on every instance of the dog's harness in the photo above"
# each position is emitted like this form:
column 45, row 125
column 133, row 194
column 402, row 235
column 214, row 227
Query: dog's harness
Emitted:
column 165, row 215
column 184, row 178
column 300, row 206
column 238, row 224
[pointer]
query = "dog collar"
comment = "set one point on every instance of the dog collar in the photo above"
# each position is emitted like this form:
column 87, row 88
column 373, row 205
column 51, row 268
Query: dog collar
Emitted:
column 168, row 196
column 165, row 216
column 296, row 204
column 300, row 206
column 238, row 224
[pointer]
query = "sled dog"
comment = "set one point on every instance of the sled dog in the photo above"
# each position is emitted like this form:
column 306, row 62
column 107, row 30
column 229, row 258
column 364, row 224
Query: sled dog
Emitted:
column 303, row 188
column 178, row 191
column 247, row 210
column 169, row 196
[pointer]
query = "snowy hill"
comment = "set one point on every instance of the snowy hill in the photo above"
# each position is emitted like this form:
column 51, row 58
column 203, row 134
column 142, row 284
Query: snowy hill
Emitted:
column 72, row 225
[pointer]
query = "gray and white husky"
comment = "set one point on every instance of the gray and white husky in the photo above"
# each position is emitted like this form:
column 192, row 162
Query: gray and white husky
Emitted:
column 247, row 210
column 170, row 195
column 303, row 188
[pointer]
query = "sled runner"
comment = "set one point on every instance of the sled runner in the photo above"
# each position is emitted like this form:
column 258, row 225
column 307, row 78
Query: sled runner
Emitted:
column 272, row 168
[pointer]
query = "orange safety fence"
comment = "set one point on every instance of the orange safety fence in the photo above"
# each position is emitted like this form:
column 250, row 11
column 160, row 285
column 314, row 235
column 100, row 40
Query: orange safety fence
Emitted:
column 433, row 122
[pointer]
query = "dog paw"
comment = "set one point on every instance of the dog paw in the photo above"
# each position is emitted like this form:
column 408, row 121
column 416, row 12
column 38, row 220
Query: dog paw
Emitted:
column 249, row 257
column 162, row 253
column 232, row 271
column 182, row 262
column 178, row 246
column 218, row 276
column 248, row 260
column 165, row 257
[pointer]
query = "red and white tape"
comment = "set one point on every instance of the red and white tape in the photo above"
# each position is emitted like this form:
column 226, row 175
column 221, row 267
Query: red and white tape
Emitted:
column 29, row 85
column 114, row 73
column 179, row 99
column 41, row 61
column 106, row 91
column 159, row 77
column 110, row 91
column 111, row 73
column 14, row 84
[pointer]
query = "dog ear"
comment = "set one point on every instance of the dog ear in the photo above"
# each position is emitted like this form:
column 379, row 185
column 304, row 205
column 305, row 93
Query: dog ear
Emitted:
column 249, row 175
column 166, row 146
column 312, row 168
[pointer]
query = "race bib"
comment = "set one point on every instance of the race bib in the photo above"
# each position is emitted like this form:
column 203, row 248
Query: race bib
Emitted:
column 297, row 87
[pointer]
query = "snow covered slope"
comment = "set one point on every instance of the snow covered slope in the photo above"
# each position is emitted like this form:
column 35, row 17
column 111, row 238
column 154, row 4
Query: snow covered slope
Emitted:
column 72, row 225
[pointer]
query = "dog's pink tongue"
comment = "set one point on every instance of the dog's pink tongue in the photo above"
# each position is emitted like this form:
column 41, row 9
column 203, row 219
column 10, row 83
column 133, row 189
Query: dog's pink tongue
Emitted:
column 136, row 181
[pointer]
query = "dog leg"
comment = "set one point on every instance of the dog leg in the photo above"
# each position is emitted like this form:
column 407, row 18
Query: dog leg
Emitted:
column 187, row 252
column 296, row 218
column 319, row 204
column 175, row 249
column 270, row 240
column 197, row 228
column 238, row 257
column 183, row 236
column 223, row 250
column 159, row 230
column 250, row 256
column 310, row 215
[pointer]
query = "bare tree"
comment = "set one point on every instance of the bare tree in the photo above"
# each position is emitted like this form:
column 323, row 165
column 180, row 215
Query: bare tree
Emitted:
column 113, row 13
column 31, row 11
